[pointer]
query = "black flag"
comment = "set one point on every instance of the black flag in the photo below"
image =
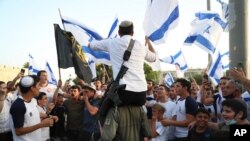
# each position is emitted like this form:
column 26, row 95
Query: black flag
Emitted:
column 70, row 54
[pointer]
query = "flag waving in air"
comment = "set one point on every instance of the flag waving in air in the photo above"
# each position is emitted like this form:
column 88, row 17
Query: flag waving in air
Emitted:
column 33, row 68
column 70, row 54
column 206, row 31
column 177, row 59
column 169, row 80
column 51, row 76
column 84, row 35
column 160, row 17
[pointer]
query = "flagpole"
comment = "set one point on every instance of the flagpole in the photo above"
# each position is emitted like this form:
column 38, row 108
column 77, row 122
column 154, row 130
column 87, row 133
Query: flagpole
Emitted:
column 209, row 56
column 59, row 70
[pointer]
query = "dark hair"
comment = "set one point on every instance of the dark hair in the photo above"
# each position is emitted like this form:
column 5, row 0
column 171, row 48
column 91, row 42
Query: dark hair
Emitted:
column 202, row 110
column 40, row 96
column 165, row 87
column 1, row 82
column 40, row 72
column 126, row 30
column 237, row 106
column 184, row 83
column 24, row 89
column 76, row 87
column 224, row 78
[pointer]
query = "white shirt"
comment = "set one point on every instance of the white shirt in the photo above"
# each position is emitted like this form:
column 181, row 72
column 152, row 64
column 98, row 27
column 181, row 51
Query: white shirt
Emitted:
column 49, row 90
column 5, row 116
column 162, row 131
column 168, row 114
column 134, row 77
column 31, row 117
column 45, row 130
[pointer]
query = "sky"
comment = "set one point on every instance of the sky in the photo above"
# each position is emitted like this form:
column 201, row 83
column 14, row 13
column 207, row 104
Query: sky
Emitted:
column 26, row 27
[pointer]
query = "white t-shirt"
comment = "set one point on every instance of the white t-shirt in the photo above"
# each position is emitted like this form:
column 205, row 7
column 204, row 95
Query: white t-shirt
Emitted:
column 134, row 77
column 168, row 114
column 45, row 130
column 162, row 131
column 25, row 114
column 5, row 115
column 49, row 90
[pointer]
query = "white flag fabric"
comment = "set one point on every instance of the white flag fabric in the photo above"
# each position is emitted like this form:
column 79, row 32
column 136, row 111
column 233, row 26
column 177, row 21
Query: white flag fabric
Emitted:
column 81, row 32
column 169, row 80
column 230, row 20
column 84, row 35
column 97, row 56
column 177, row 59
column 33, row 68
column 216, row 69
column 206, row 31
column 160, row 17
column 51, row 76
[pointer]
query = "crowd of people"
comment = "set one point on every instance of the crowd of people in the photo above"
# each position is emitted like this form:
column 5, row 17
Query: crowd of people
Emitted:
column 32, row 109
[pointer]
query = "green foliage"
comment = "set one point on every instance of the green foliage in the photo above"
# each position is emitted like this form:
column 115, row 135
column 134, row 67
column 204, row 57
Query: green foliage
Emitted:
column 197, row 76
column 150, row 74
column 26, row 65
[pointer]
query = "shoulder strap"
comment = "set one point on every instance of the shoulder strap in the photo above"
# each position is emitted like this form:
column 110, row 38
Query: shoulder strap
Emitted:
column 126, row 57
column 127, row 53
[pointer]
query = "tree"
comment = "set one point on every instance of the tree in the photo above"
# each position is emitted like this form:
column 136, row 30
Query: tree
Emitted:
column 150, row 74
column 26, row 65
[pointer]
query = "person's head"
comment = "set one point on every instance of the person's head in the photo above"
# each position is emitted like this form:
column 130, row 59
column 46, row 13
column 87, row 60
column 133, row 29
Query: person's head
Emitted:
column 234, row 110
column 158, row 111
column 10, row 87
column 162, row 92
column 59, row 100
column 29, row 84
column 232, row 89
column 150, row 84
column 98, row 84
column 3, row 87
column 155, row 91
column 89, row 90
column 202, row 117
column 194, row 87
column 43, row 76
column 42, row 99
column 172, row 92
column 223, row 82
column 75, row 92
column 126, row 28
column 182, row 86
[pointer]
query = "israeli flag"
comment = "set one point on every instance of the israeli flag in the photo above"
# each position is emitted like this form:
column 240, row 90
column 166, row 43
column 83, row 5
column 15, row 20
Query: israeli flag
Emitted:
column 33, row 68
column 114, row 29
column 206, row 31
column 160, row 17
column 177, row 59
column 169, row 80
column 51, row 76
column 225, row 60
column 84, row 35
column 97, row 56
column 78, row 29
column 216, row 69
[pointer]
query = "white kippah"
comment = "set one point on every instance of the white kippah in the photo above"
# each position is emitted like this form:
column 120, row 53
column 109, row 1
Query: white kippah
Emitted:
column 125, row 24
column 27, row 81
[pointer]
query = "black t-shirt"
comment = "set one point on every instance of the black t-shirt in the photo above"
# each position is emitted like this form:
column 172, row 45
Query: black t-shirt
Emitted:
column 207, row 135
